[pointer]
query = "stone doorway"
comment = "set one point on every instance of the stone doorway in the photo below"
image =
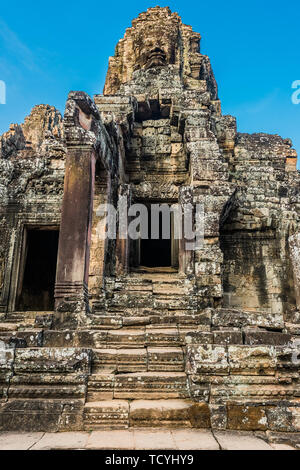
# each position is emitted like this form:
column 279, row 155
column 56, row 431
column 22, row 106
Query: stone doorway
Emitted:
column 38, row 270
column 161, row 252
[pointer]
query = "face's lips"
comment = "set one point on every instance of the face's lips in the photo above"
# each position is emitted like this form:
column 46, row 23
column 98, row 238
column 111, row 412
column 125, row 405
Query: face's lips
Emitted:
column 156, row 57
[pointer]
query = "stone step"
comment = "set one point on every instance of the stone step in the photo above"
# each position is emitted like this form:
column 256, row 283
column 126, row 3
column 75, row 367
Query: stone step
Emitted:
column 120, row 360
column 18, row 322
column 175, row 302
column 157, row 277
column 165, row 359
column 53, row 387
column 170, row 413
column 138, row 360
column 26, row 318
column 6, row 327
column 162, row 337
column 130, row 299
column 101, row 386
column 100, row 321
column 121, row 338
column 153, row 335
column 22, row 338
column 126, row 338
column 170, row 289
column 151, row 385
column 162, row 413
column 155, row 288
column 135, row 318
column 137, row 338
column 106, row 414
column 133, row 287
column 150, row 301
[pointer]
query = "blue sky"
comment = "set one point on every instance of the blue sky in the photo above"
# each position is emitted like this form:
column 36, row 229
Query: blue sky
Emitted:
column 47, row 49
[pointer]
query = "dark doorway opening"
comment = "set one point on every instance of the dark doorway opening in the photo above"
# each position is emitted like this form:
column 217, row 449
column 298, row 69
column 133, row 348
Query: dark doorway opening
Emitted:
column 156, row 252
column 38, row 270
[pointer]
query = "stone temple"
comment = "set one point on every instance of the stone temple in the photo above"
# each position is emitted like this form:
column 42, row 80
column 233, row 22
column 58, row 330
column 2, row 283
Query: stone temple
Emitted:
column 98, row 332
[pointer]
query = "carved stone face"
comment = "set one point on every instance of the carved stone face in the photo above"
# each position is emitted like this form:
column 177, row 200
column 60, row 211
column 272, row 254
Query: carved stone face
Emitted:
column 155, row 57
column 156, row 39
column 155, row 47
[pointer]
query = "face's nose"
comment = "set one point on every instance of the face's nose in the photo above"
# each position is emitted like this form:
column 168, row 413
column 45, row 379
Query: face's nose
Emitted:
column 157, row 49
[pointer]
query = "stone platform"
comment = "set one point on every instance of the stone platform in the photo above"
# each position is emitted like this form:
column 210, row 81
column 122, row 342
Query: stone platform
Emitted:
column 138, row 439
column 219, row 369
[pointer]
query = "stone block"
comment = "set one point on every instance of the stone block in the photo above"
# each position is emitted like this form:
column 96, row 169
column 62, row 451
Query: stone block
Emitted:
column 199, row 387
column 148, row 440
column 111, row 440
column 240, row 318
column 6, row 371
column 218, row 417
column 199, row 337
column 48, row 386
column 62, row 441
column 227, row 337
column 207, row 359
column 267, row 337
column 52, row 360
column 41, row 415
column 252, row 360
column 288, row 359
column 174, row 413
column 162, row 337
column 59, row 339
column 91, row 338
column 110, row 413
column 246, row 417
column 168, row 359
column 280, row 418
column 241, row 441
column 105, row 359
column 151, row 385
column 131, row 360
column 24, row 339
column 194, row 439
column 100, row 386
column 199, row 415
column 17, row 441
column 126, row 338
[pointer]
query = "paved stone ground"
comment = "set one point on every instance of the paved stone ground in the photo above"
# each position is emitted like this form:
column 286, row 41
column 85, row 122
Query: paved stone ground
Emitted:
column 152, row 439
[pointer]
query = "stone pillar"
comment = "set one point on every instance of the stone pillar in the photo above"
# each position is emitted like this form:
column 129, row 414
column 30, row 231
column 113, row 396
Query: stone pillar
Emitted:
column 75, row 229
column 294, row 246
column 122, row 244
column 186, row 257
column 82, row 133
column 99, row 242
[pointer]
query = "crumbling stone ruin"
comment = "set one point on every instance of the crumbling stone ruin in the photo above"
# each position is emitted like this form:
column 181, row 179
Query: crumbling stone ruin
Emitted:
column 100, row 333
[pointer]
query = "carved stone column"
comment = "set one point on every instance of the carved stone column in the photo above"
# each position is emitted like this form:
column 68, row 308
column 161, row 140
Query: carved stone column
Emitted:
column 186, row 257
column 122, row 242
column 81, row 133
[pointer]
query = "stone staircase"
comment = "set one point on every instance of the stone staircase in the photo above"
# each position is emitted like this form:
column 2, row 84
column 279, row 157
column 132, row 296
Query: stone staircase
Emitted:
column 137, row 343
column 139, row 369
column 138, row 376
column 149, row 294
column 148, row 365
